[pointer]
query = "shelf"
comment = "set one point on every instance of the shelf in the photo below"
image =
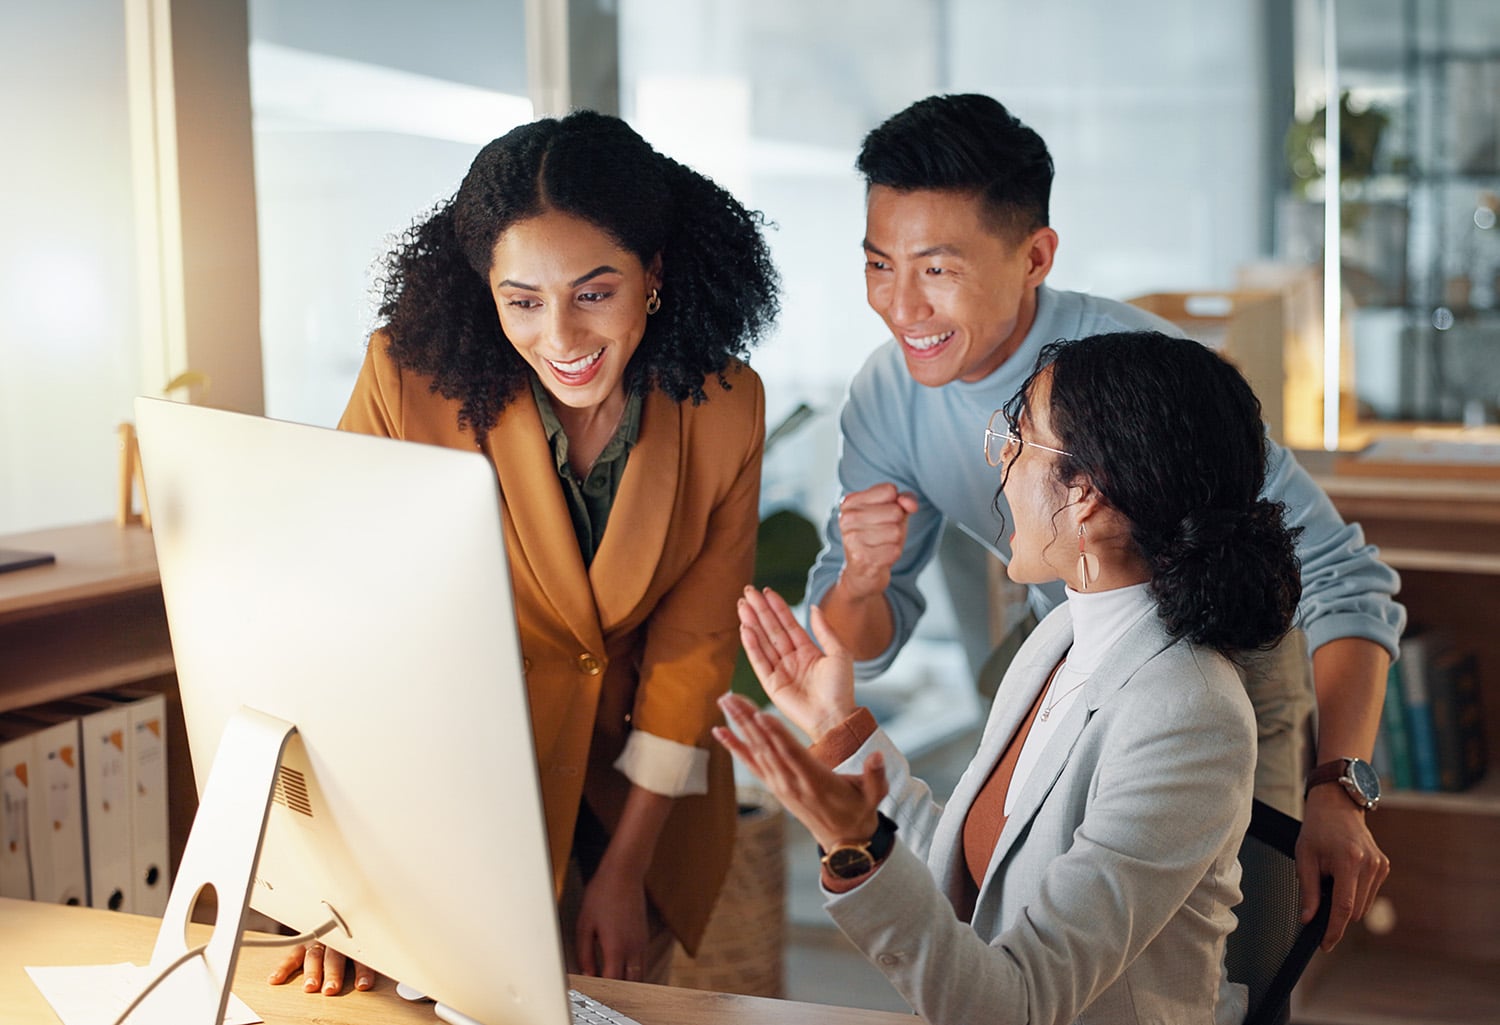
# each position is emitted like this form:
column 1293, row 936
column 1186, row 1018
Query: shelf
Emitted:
column 1424, row 500
column 1361, row 985
column 77, row 649
column 96, row 563
column 1453, row 55
column 1464, row 317
column 1483, row 798
column 1443, row 891
column 1440, row 561
column 1421, row 524
column 93, row 620
column 1468, row 177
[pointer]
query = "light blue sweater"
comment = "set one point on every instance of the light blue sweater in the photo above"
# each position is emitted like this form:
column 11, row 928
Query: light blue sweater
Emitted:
column 930, row 441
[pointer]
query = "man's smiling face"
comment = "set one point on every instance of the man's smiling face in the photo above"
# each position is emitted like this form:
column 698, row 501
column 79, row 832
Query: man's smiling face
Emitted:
column 958, row 296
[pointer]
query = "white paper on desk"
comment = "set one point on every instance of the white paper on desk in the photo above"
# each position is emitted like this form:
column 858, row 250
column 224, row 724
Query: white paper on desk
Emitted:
column 95, row 994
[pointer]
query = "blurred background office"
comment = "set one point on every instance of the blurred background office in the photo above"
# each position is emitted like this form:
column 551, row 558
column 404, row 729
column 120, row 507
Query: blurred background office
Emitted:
column 205, row 185
column 1165, row 119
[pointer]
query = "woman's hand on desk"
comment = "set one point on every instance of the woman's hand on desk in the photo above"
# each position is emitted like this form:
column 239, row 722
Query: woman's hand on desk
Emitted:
column 612, row 932
column 322, row 969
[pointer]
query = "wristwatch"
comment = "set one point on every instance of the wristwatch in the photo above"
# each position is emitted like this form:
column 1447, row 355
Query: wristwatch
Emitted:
column 1359, row 780
column 852, row 860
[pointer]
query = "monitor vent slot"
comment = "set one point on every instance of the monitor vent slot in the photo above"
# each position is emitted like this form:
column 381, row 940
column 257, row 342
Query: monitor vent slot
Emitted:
column 291, row 791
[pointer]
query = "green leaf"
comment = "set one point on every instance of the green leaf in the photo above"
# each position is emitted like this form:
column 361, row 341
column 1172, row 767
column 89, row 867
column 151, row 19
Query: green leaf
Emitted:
column 786, row 544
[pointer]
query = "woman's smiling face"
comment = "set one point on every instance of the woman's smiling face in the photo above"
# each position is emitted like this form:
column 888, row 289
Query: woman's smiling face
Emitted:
column 573, row 303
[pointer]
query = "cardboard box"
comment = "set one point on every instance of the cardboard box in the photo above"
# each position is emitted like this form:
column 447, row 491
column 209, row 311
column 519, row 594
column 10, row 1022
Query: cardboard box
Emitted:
column 1301, row 290
column 1246, row 327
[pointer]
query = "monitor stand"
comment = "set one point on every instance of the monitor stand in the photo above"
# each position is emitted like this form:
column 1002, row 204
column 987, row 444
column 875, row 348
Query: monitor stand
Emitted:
column 221, row 854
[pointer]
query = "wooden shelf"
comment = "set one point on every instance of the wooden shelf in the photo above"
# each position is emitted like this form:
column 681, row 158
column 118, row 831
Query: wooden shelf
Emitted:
column 82, row 648
column 1440, row 962
column 96, row 563
column 93, row 620
column 1357, row 985
column 1483, row 798
column 1440, row 561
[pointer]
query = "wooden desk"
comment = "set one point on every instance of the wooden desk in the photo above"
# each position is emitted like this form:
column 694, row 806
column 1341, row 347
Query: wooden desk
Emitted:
column 50, row 934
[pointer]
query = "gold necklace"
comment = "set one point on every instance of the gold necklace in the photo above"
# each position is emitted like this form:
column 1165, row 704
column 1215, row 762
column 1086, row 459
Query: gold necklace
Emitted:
column 1052, row 684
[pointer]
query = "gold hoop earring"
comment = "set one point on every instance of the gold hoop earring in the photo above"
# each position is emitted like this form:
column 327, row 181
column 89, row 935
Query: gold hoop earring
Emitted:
column 1088, row 564
column 653, row 302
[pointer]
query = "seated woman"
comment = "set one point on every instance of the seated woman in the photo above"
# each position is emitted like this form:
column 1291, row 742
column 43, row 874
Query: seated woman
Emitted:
column 579, row 312
column 1085, row 867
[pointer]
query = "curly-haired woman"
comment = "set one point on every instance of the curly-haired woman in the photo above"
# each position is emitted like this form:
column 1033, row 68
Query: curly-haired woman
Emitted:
column 1085, row 867
column 579, row 311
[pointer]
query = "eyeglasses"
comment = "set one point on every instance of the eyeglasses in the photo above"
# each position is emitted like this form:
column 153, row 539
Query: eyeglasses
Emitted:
column 998, row 442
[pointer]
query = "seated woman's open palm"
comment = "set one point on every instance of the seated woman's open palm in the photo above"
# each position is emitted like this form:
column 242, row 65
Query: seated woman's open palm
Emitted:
column 813, row 688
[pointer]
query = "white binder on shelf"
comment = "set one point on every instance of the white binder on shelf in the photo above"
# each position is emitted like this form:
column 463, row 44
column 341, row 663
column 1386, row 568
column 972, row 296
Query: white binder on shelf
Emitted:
column 59, row 872
column 104, row 726
column 146, row 779
column 15, row 829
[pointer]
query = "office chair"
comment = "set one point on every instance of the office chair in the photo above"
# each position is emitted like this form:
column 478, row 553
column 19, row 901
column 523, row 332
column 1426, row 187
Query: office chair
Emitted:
column 1269, row 949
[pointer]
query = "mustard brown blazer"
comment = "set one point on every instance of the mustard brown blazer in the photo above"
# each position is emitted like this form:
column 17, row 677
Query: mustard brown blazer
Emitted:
column 644, row 638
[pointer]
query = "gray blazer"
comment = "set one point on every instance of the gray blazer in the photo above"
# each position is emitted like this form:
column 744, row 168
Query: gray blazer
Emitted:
column 1108, row 896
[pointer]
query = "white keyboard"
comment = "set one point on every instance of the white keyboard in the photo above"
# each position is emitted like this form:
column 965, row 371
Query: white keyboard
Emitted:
column 584, row 1009
column 588, row 1011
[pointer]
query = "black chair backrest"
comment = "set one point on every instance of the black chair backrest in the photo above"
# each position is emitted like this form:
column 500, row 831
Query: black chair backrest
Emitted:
column 1270, row 948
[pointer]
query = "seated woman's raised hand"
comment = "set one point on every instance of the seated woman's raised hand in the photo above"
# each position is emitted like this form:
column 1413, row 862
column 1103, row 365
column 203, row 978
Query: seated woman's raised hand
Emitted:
column 835, row 807
column 813, row 688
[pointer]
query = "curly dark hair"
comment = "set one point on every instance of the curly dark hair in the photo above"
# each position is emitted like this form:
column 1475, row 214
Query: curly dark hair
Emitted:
column 1170, row 435
column 718, row 292
column 969, row 143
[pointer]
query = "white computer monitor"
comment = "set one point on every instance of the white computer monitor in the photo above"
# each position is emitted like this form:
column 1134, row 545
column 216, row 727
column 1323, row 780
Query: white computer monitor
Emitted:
column 357, row 589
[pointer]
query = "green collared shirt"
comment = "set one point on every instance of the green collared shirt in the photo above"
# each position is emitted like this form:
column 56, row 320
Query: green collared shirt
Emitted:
column 590, row 499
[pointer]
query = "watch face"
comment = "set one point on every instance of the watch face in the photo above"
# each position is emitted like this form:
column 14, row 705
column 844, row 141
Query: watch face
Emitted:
column 1365, row 778
column 849, row 862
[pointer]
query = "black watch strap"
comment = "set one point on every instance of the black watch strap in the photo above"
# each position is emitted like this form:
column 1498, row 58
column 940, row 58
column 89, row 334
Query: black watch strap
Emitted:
column 849, row 861
column 884, row 838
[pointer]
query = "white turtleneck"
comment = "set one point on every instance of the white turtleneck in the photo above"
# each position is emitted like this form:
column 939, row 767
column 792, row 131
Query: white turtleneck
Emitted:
column 1100, row 619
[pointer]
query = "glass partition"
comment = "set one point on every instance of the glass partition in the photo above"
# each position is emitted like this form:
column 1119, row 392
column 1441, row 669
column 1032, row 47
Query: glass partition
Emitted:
column 365, row 116
column 1154, row 114
column 1419, row 200
column 70, row 338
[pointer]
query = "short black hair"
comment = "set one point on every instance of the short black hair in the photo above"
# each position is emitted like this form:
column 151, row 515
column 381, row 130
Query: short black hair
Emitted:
column 968, row 143
column 1170, row 434
column 718, row 291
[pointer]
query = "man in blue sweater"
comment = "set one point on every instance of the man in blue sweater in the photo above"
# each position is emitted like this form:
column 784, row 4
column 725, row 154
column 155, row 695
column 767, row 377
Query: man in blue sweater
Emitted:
column 957, row 251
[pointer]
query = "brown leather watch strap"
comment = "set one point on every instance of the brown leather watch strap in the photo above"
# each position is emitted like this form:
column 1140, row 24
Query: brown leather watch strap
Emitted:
column 1328, row 772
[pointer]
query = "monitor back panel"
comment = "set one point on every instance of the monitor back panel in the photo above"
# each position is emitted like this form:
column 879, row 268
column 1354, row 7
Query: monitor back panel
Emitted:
column 358, row 588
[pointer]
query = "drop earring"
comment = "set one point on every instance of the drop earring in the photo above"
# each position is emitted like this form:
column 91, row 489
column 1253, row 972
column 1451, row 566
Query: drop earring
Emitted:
column 653, row 302
column 1088, row 563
